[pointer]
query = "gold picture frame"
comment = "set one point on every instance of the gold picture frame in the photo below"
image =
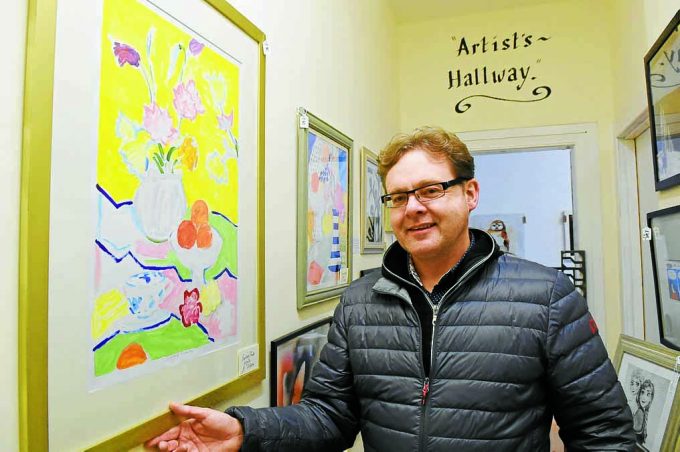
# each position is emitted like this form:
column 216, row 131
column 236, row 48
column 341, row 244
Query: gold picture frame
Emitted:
column 649, row 376
column 372, row 227
column 324, row 211
column 44, row 104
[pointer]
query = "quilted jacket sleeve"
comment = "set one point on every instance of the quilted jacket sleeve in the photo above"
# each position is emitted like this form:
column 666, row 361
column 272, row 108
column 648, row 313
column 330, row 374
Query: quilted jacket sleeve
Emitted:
column 587, row 400
column 327, row 417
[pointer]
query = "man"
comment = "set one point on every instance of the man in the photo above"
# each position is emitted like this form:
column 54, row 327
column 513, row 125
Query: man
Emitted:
column 455, row 346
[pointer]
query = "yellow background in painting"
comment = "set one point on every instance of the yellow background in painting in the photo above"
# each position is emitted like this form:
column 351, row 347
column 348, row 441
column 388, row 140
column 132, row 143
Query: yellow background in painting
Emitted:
column 124, row 90
column 108, row 308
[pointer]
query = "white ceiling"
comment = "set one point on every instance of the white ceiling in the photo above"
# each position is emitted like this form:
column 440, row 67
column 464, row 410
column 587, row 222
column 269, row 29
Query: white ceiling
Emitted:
column 419, row 10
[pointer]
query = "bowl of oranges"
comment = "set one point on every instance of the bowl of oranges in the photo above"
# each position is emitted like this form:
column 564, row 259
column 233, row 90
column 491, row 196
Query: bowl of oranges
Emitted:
column 196, row 243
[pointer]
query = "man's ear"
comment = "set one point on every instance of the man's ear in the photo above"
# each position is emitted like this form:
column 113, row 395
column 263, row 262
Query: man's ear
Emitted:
column 471, row 191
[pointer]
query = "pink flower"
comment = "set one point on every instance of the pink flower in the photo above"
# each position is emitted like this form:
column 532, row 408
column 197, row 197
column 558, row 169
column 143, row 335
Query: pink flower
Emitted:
column 225, row 122
column 187, row 103
column 191, row 308
column 195, row 47
column 125, row 54
column 158, row 123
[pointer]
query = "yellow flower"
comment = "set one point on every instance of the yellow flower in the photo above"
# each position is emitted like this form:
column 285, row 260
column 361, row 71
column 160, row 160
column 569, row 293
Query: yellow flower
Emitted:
column 188, row 153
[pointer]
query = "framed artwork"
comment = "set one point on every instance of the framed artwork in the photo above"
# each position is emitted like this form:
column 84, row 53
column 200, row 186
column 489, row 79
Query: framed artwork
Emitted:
column 292, row 358
column 324, row 255
column 142, row 263
column 663, row 98
column 665, row 251
column 649, row 376
column 372, row 212
column 506, row 228
column 388, row 224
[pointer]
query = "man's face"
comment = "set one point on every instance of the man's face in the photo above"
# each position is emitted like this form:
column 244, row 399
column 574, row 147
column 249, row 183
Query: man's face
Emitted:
column 431, row 229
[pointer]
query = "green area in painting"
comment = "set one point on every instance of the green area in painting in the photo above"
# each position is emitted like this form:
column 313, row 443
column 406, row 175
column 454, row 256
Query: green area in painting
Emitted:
column 163, row 341
column 228, row 256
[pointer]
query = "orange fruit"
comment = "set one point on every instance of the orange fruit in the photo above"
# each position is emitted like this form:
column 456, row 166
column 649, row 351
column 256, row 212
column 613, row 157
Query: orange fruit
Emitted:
column 199, row 212
column 204, row 236
column 131, row 355
column 186, row 234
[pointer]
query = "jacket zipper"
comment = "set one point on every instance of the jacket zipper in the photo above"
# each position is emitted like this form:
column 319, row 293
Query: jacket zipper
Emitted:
column 425, row 392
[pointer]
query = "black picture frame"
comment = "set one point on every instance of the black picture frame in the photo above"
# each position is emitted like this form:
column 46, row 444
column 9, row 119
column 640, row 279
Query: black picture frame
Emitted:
column 662, row 74
column 665, row 252
column 291, row 359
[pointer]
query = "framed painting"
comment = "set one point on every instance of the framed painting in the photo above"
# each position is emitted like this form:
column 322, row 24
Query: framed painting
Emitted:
column 293, row 357
column 372, row 212
column 506, row 229
column 663, row 97
column 649, row 376
column 665, row 251
column 142, row 264
column 324, row 209
column 388, row 224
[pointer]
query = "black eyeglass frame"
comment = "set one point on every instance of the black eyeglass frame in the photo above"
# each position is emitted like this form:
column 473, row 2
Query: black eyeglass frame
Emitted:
column 445, row 185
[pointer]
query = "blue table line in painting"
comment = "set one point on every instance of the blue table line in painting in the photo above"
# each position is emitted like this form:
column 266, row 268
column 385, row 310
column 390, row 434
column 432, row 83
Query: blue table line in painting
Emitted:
column 220, row 214
column 103, row 342
column 118, row 259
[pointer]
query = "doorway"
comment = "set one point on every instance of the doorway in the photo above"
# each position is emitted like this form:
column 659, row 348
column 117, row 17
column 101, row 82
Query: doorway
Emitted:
column 582, row 141
column 526, row 201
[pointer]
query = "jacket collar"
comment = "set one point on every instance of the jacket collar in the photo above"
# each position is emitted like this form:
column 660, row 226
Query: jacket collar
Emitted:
column 395, row 264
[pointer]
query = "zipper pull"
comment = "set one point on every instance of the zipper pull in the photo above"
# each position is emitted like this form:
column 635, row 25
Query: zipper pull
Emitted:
column 435, row 312
column 426, row 390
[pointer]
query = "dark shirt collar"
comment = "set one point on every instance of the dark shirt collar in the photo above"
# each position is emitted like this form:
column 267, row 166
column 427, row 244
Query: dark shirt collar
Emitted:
column 416, row 277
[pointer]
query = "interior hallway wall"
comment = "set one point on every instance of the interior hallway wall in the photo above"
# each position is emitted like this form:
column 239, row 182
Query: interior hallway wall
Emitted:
column 638, row 24
column 565, row 46
column 337, row 59
column 13, row 32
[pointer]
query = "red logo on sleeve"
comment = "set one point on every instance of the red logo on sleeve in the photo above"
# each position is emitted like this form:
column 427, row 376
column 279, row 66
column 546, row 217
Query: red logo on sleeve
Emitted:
column 593, row 325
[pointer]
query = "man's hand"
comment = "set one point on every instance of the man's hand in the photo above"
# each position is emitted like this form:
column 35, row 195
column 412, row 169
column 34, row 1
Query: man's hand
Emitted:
column 202, row 430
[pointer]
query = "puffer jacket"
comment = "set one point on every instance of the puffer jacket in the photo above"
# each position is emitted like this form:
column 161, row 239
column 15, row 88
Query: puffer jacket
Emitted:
column 513, row 345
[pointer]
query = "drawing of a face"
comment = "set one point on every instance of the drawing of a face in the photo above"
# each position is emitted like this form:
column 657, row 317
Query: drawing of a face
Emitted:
column 646, row 394
column 646, row 397
column 635, row 383
column 497, row 225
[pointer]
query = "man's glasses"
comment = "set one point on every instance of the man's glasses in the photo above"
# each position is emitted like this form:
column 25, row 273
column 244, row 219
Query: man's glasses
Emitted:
column 423, row 194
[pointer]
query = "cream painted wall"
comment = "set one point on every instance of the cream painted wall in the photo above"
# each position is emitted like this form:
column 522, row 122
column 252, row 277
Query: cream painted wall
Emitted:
column 637, row 24
column 338, row 61
column 575, row 62
column 13, row 31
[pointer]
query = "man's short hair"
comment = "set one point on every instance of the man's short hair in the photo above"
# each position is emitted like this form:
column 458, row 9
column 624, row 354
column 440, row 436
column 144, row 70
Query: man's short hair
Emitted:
column 434, row 140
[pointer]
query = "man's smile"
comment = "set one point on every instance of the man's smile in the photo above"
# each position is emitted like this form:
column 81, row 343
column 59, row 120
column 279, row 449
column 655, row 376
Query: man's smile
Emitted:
column 421, row 227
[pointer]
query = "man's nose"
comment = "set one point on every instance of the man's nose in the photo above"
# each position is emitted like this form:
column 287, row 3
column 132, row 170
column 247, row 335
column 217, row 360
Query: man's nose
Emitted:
column 413, row 204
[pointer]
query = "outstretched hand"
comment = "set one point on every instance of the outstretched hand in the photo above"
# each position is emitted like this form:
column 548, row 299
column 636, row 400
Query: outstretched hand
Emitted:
column 203, row 430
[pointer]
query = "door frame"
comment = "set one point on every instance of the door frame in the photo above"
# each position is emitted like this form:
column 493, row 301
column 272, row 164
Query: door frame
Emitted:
column 630, row 251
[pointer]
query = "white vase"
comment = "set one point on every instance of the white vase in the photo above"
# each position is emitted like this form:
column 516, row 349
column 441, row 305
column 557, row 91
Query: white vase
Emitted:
column 160, row 204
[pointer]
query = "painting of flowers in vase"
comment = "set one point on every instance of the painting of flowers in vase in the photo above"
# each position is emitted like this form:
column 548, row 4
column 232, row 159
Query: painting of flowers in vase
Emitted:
column 167, row 184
